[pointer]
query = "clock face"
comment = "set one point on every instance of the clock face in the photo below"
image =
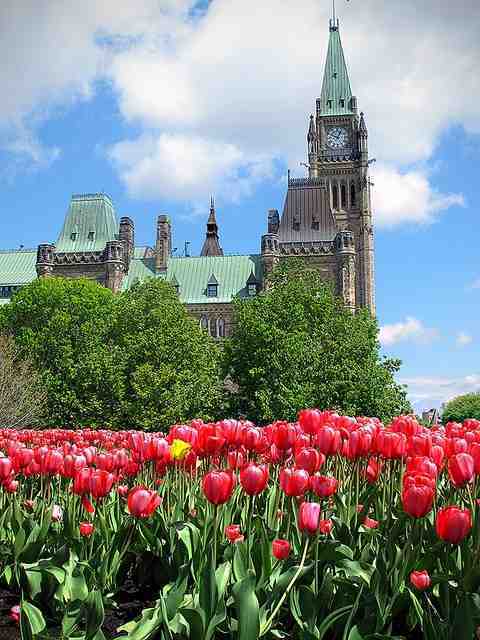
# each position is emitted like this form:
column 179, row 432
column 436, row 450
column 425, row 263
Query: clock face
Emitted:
column 337, row 137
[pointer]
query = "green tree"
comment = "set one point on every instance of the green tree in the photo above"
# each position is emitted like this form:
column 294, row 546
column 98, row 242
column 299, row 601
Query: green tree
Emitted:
column 461, row 408
column 169, row 365
column 62, row 326
column 295, row 345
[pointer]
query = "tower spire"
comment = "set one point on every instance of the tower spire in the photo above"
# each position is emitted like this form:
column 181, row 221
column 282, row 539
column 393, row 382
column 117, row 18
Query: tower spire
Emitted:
column 211, row 246
column 336, row 96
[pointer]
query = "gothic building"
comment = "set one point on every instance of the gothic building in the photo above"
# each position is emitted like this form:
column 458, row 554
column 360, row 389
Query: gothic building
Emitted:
column 326, row 220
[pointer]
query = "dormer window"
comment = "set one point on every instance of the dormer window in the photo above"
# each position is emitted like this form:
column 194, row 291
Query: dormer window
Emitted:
column 315, row 225
column 212, row 287
column 91, row 235
column 174, row 283
column 329, row 104
column 252, row 285
column 342, row 103
column 252, row 290
column 73, row 236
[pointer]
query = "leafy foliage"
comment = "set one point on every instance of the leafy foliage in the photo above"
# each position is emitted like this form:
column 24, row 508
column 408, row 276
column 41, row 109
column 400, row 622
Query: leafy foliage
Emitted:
column 462, row 407
column 133, row 359
column 296, row 345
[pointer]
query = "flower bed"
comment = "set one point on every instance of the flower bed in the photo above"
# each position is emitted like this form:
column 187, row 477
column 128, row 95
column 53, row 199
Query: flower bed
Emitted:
column 331, row 527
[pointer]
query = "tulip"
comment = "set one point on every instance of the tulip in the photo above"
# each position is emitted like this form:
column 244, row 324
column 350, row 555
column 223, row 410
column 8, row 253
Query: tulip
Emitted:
column 233, row 533
column 284, row 435
column 310, row 420
column 122, row 490
column 417, row 495
column 294, row 482
column 6, row 468
column 86, row 529
column 309, row 517
column 420, row 580
column 254, row 478
column 57, row 513
column 280, row 549
column 461, row 469
column 328, row 440
column 218, row 486
column 309, row 459
column 453, row 524
column 372, row 471
column 15, row 613
column 391, row 445
column 142, row 502
column 29, row 505
column 326, row 526
column 87, row 505
column 323, row 486
column 370, row 523
column 101, row 483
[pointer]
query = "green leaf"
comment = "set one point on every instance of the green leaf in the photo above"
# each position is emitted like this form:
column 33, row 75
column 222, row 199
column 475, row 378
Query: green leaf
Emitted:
column 19, row 543
column 357, row 569
column 355, row 634
column 240, row 561
column 332, row 619
column 94, row 613
column 208, row 589
column 194, row 620
column 222, row 577
column 463, row 624
column 248, row 612
column 31, row 621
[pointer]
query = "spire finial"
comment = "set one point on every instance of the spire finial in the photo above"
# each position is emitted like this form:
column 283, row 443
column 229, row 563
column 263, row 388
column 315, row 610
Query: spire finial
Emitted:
column 334, row 19
column 212, row 203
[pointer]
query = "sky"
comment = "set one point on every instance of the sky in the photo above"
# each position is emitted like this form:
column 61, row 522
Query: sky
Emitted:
column 163, row 103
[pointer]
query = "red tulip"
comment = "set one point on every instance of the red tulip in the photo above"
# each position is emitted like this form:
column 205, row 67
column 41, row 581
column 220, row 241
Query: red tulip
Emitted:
column 294, row 482
column 87, row 505
column 309, row 517
column 309, row 459
column 323, row 486
column 453, row 524
column 417, row 495
column 461, row 469
column 254, row 478
column 86, row 529
column 391, row 445
column 284, row 435
column 372, row 471
column 280, row 549
column 236, row 458
column 422, row 465
column 233, row 533
column 328, row 440
column 6, row 468
column 15, row 613
column 101, row 483
column 310, row 420
column 142, row 502
column 370, row 523
column 326, row 526
column 218, row 486
column 420, row 580
column 122, row 490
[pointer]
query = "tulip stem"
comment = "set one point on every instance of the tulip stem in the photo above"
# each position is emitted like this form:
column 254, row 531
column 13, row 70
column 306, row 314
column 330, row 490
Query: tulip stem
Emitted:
column 267, row 624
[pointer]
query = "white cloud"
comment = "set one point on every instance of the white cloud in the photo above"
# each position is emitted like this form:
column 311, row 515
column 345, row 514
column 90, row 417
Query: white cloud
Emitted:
column 187, row 167
column 410, row 329
column 408, row 196
column 243, row 76
column 463, row 339
column 427, row 392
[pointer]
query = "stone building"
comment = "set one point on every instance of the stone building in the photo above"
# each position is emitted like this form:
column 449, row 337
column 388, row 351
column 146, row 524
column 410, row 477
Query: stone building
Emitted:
column 326, row 220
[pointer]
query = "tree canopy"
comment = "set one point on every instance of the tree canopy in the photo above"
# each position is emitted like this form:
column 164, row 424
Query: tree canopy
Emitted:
column 461, row 408
column 135, row 359
column 295, row 345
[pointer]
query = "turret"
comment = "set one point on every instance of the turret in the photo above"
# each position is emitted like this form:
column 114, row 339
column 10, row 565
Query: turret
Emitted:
column 114, row 265
column 273, row 221
column 127, row 237
column 363, row 138
column 163, row 246
column 45, row 260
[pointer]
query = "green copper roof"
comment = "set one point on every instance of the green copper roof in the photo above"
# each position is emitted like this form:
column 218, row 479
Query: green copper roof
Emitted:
column 89, row 224
column 17, row 267
column 336, row 85
column 193, row 274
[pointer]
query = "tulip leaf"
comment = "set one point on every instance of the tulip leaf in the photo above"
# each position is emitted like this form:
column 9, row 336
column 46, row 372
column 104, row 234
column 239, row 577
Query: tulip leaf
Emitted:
column 357, row 569
column 248, row 612
column 332, row 619
column 31, row 621
column 240, row 561
column 194, row 620
column 19, row 542
column 222, row 577
column 208, row 589
column 463, row 624
column 94, row 614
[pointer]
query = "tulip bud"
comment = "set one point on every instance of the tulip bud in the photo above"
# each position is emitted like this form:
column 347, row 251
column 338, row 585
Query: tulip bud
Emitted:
column 420, row 580
column 86, row 529
column 280, row 549
column 233, row 533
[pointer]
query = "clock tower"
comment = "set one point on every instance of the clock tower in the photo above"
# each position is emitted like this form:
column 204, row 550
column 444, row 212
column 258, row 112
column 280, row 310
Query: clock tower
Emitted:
column 327, row 216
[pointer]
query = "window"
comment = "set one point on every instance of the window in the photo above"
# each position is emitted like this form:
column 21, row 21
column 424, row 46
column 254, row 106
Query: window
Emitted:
column 335, row 196
column 91, row 235
column 315, row 225
column 296, row 224
column 329, row 104
column 352, row 195
column 204, row 323
column 220, row 328
column 73, row 236
column 344, row 197
column 342, row 102
column 252, row 289
column 212, row 290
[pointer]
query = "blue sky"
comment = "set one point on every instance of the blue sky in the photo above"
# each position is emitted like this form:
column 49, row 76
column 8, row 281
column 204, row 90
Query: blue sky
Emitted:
column 160, row 109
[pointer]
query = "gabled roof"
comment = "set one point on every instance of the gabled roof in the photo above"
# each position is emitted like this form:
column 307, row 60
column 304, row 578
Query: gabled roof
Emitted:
column 17, row 267
column 336, row 84
column 212, row 279
column 90, row 212
column 193, row 274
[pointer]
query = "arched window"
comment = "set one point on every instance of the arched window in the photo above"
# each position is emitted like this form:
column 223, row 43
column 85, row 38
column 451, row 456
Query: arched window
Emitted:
column 220, row 328
column 335, row 196
column 204, row 323
column 343, row 203
column 352, row 195
column 213, row 326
